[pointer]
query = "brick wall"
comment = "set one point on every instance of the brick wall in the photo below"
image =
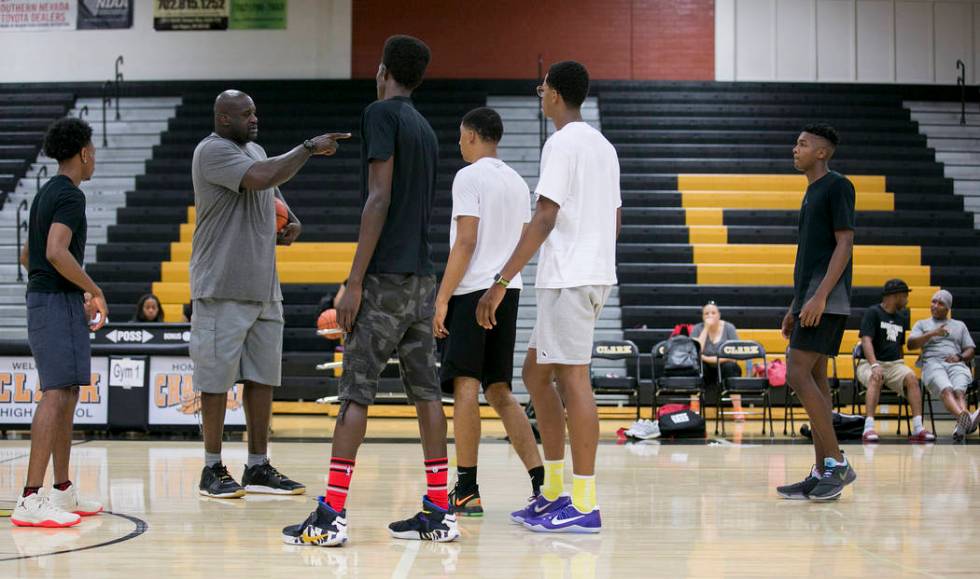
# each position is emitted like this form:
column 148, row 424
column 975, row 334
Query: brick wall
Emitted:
column 615, row 39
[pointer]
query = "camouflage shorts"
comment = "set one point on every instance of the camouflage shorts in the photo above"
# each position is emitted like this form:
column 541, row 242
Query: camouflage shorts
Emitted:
column 395, row 319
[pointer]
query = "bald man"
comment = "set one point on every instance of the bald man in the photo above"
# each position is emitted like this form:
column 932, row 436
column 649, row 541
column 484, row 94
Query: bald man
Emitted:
column 236, row 331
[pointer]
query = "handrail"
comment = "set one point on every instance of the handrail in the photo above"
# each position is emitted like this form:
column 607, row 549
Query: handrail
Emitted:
column 42, row 172
column 83, row 112
column 20, row 225
column 106, row 99
column 118, row 82
column 961, row 82
column 542, row 122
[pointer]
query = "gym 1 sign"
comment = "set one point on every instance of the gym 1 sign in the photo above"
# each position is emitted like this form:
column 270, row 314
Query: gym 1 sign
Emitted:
column 19, row 392
column 173, row 400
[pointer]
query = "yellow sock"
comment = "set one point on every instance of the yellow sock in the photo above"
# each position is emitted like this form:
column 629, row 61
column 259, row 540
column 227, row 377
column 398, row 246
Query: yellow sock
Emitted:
column 583, row 493
column 554, row 479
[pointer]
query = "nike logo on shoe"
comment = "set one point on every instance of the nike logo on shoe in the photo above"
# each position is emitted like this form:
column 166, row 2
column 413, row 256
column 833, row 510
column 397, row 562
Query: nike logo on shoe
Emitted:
column 538, row 511
column 560, row 521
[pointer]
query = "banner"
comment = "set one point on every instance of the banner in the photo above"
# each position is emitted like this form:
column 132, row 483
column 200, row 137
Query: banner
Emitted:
column 173, row 400
column 19, row 392
column 27, row 15
column 105, row 14
column 190, row 14
column 258, row 14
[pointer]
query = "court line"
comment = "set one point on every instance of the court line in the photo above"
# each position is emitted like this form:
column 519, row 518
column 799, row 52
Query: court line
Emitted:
column 28, row 454
column 140, row 527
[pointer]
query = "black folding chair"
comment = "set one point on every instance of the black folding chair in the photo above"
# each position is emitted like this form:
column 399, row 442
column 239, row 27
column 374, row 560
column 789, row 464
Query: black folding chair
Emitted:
column 625, row 350
column 904, row 409
column 747, row 386
column 673, row 388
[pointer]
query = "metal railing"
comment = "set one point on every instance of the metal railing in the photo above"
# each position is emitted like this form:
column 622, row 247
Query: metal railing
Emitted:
column 21, row 226
column 114, row 86
column 542, row 122
column 961, row 82
column 118, row 82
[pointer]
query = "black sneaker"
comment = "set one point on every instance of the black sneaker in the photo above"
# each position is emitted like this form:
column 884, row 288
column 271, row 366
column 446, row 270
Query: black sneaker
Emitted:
column 430, row 524
column 832, row 482
column 265, row 479
column 466, row 503
column 324, row 527
column 217, row 483
column 799, row 491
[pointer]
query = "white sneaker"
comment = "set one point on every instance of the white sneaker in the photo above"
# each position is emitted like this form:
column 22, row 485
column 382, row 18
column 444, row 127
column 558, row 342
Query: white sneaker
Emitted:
column 974, row 421
column 68, row 501
column 38, row 511
column 645, row 430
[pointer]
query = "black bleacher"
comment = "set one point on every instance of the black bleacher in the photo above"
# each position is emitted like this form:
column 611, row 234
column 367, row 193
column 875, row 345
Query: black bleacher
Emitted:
column 24, row 116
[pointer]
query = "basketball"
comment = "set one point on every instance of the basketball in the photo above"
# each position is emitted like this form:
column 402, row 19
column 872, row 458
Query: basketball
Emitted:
column 282, row 214
column 328, row 321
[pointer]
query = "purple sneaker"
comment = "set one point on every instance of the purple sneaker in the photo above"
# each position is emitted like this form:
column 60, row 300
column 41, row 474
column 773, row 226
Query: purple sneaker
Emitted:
column 566, row 520
column 539, row 506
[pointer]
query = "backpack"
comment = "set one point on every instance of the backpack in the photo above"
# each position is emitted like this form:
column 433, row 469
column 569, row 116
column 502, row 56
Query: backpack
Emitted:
column 682, row 424
column 666, row 409
column 847, row 427
column 682, row 330
column 681, row 357
column 777, row 373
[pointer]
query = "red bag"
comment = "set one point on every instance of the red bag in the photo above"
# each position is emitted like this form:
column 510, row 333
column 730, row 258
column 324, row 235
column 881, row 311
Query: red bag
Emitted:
column 777, row 373
column 683, row 330
column 671, row 408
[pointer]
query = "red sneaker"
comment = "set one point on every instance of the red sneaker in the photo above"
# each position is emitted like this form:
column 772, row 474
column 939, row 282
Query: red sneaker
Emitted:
column 870, row 436
column 923, row 436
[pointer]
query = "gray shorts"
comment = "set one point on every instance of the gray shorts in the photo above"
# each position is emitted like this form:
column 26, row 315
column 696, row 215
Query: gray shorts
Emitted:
column 940, row 375
column 565, row 324
column 395, row 318
column 234, row 341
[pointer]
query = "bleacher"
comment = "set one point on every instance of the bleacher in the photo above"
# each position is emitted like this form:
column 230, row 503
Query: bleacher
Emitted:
column 711, row 202
column 149, row 248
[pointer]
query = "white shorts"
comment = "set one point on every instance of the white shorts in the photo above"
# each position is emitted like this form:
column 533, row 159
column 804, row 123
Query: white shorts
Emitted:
column 234, row 341
column 939, row 376
column 565, row 323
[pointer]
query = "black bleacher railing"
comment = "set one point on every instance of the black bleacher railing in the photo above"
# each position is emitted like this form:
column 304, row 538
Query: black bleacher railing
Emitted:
column 21, row 225
column 961, row 82
column 118, row 82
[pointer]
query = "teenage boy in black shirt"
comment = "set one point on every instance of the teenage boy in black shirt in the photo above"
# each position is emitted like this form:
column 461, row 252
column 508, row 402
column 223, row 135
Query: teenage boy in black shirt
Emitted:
column 816, row 320
column 63, row 305
column 389, row 301
column 882, row 336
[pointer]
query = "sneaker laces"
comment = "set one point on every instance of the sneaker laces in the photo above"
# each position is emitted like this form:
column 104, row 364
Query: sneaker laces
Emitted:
column 221, row 471
column 269, row 469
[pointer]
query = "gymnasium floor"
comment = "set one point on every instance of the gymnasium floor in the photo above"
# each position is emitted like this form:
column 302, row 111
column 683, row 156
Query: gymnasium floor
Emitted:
column 704, row 509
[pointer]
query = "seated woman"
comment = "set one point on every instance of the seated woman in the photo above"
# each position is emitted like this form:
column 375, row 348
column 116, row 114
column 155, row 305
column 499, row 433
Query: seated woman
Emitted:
column 148, row 310
column 711, row 333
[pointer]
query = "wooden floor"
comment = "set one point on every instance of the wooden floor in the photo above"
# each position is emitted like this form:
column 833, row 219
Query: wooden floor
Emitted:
column 706, row 509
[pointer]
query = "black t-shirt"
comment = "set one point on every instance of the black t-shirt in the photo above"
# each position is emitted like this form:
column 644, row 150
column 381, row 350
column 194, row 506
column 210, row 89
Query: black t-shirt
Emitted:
column 58, row 201
column 828, row 206
column 887, row 332
column 394, row 127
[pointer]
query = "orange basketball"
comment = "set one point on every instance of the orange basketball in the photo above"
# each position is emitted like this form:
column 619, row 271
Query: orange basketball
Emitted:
column 328, row 321
column 282, row 214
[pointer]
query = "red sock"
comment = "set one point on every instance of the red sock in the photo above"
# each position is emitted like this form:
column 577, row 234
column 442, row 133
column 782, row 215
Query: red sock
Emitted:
column 437, row 476
column 338, row 482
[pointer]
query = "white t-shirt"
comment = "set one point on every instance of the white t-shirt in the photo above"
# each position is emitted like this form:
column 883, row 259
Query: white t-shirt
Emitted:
column 579, row 172
column 491, row 190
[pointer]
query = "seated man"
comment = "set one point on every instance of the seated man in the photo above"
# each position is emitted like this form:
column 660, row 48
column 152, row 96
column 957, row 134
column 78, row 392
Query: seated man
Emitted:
column 882, row 341
column 947, row 348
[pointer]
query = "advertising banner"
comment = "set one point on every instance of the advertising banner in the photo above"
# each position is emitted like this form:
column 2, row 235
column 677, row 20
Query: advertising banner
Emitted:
column 105, row 14
column 32, row 15
column 173, row 400
column 190, row 14
column 258, row 14
column 19, row 392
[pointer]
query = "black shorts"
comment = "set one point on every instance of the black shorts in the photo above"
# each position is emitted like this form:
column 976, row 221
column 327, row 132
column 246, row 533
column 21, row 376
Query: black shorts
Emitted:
column 824, row 338
column 58, row 333
column 472, row 352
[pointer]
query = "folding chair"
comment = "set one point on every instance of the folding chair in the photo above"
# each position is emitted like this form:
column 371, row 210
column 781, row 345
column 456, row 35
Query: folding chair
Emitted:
column 748, row 386
column 675, row 388
column 903, row 404
column 617, row 350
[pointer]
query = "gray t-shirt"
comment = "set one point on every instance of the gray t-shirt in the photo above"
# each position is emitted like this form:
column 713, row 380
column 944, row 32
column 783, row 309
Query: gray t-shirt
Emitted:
column 937, row 349
column 728, row 332
column 234, row 245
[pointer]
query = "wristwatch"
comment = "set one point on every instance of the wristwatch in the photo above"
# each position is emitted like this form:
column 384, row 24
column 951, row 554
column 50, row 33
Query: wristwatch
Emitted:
column 499, row 280
column 309, row 146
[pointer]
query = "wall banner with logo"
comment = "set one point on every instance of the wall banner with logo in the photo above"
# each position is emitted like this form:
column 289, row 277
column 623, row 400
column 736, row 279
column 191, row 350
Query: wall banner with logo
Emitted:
column 190, row 14
column 19, row 392
column 32, row 15
column 173, row 400
column 105, row 14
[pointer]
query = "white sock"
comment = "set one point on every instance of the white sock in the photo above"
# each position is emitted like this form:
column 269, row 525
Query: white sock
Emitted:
column 869, row 423
column 917, row 424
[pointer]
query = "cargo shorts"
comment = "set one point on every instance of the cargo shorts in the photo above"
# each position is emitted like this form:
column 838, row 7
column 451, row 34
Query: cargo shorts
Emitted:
column 395, row 318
